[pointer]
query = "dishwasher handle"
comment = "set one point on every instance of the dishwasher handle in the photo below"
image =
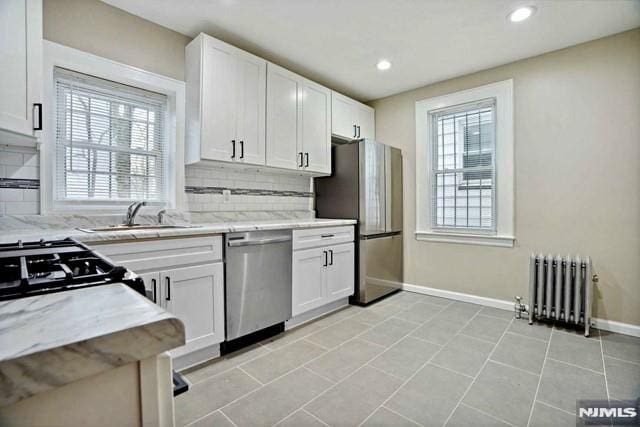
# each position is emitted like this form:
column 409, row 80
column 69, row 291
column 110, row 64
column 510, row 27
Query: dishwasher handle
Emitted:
column 242, row 242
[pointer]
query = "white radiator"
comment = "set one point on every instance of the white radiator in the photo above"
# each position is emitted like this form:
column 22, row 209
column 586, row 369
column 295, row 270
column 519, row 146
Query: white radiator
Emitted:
column 561, row 289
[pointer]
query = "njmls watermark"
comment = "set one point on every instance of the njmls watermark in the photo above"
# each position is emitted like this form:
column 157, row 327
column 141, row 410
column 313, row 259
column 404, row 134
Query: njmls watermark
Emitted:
column 603, row 412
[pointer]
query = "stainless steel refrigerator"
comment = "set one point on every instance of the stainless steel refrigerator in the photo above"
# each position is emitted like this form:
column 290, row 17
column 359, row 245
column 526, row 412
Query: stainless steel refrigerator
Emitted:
column 366, row 184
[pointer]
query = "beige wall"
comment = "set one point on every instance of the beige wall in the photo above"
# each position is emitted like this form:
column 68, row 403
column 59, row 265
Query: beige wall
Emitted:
column 577, row 150
column 101, row 29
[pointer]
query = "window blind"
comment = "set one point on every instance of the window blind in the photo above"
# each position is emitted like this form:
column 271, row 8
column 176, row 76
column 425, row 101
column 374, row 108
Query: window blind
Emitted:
column 463, row 167
column 110, row 140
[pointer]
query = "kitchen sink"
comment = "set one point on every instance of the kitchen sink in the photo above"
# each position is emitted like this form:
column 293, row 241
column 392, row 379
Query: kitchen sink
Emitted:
column 122, row 227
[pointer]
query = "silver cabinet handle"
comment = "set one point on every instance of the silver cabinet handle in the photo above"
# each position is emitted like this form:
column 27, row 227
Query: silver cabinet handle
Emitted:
column 33, row 118
column 236, row 243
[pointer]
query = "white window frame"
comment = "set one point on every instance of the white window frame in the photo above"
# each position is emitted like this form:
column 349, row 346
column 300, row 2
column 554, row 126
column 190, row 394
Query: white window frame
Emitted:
column 504, row 236
column 56, row 55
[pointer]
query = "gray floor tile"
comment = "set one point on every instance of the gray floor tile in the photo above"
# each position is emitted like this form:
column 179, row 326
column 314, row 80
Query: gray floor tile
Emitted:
column 213, row 420
column 292, row 335
column 486, row 328
column 405, row 298
column 430, row 396
column 354, row 399
column 211, row 394
column 338, row 315
column 464, row 354
column 338, row 333
column 539, row 330
column 623, row 379
column 343, row 360
column 503, row 392
column 438, row 331
column 420, row 312
column 623, row 347
column 577, row 350
column 275, row 401
column 496, row 312
column 436, row 300
column 389, row 331
column 276, row 363
column 377, row 313
column 406, row 357
column 386, row 418
column 301, row 419
column 563, row 384
column 465, row 416
column 546, row 416
column 225, row 363
column 521, row 352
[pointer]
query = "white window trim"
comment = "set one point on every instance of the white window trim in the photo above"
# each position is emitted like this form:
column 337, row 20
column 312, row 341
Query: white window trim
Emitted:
column 56, row 55
column 502, row 92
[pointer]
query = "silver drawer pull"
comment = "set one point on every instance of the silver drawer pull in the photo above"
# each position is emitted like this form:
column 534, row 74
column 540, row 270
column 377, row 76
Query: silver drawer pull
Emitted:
column 325, row 236
column 235, row 243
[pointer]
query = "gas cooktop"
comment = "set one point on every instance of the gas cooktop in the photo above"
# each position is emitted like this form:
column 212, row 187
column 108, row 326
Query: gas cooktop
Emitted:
column 33, row 268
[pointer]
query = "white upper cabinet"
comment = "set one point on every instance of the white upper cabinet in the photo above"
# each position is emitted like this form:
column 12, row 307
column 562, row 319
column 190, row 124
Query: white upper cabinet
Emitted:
column 284, row 117
column 225, row 103
column 316, row 127
column 20, row 66
column 298, row 122
column 351, row 119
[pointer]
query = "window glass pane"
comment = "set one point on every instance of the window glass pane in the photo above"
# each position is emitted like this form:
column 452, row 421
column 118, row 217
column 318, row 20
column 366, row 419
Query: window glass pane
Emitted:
column 463, row 178
column 110, row 141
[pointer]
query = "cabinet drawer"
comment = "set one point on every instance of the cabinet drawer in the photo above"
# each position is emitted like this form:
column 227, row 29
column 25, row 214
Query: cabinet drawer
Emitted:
column 315, row 237
column 163, row 253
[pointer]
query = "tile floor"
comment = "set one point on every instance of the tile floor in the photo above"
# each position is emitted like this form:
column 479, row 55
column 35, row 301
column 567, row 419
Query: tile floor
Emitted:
column 411, row 360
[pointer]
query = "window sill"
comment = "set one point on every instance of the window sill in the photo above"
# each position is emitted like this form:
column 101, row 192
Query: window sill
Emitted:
column 466, row 239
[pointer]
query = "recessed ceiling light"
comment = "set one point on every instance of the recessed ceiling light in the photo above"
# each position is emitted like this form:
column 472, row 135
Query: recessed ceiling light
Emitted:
column 521, row 13
column 383, row 65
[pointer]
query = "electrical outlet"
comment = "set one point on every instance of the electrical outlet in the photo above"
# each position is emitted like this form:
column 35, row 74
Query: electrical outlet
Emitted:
column 226, row 195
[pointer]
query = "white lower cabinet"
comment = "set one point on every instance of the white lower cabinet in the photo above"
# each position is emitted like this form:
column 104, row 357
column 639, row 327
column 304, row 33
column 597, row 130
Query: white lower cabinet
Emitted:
column 341, row 271
column 309, row 279
column 321, row 275
column 185, row 277
column 195, row 295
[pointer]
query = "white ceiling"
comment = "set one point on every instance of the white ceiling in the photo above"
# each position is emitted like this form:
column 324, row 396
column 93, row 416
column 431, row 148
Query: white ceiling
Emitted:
column 339, row 42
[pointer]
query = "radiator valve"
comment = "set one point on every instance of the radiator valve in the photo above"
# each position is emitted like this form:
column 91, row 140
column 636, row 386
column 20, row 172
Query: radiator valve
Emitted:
column 519, row 308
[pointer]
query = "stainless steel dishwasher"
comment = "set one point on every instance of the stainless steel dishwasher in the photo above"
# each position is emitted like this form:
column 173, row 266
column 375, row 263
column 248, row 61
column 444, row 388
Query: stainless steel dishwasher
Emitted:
column 258, row 280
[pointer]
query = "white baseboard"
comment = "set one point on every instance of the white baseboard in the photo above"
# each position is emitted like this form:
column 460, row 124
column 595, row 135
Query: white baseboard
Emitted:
column 618, row 327
column 605, row 325
column 315, row 313
column 459, row 296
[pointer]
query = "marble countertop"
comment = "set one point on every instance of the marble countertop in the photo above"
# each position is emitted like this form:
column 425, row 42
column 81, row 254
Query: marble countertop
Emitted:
column 10, row 236
column 47, row 341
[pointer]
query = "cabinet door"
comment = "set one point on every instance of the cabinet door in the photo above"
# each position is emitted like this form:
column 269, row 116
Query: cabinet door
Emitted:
column 341, row 271
column 218, row 101
column 316, row 127
column 284, row 117
column 252, row 99
column 343, row 118
column 195, row 295
column 365, row 118
column 20, row 64
column 309, row 272
column 152, row 286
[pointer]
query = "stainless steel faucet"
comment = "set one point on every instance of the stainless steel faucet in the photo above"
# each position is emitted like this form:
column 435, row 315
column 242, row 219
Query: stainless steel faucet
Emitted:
column 132, row 211
column 161, row 214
